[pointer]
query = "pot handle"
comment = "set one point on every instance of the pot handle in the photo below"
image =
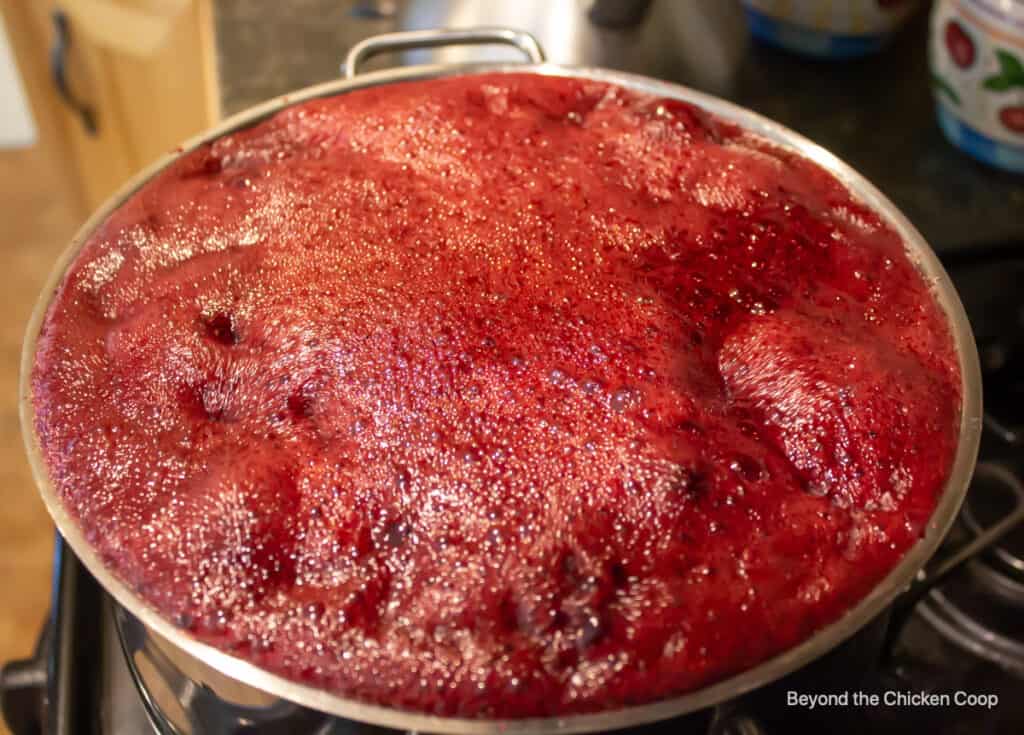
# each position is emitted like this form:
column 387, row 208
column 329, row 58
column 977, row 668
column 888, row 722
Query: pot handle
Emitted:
column 405, row 40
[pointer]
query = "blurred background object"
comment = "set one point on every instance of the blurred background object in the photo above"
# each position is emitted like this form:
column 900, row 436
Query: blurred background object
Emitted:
column 833, row 29
column 17, row 129
column 707, row 38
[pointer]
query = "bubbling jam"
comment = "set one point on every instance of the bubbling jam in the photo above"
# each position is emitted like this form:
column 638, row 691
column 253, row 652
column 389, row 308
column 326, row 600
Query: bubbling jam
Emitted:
column 497, row 396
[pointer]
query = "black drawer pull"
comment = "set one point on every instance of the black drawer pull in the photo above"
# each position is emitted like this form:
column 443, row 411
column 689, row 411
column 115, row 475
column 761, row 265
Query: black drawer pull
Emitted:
column 58, row 70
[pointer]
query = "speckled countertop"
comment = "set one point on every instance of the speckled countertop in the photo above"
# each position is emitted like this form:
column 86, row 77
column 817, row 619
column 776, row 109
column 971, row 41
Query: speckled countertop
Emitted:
column 876, row 113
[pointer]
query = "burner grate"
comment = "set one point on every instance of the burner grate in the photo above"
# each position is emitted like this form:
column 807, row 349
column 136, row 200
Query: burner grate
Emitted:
column 981, row 609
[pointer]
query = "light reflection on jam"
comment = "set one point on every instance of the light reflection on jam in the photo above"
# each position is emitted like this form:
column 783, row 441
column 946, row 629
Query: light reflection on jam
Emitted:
column 497, row 396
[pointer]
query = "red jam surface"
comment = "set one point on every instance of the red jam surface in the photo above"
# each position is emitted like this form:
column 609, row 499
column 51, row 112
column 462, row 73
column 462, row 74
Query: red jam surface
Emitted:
column 497, row 396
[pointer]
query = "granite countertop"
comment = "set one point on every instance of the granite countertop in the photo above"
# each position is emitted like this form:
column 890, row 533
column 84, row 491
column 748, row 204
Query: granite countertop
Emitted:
column 876, row 113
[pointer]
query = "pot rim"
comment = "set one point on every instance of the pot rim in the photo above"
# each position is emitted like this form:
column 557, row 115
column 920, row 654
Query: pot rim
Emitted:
column 822, row 641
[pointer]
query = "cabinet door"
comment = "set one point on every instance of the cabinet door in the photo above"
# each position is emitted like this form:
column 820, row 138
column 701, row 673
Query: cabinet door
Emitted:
column 168, row 93
column 144, row 70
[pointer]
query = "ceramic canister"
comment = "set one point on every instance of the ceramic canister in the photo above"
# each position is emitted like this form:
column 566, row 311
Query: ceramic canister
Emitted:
column 828, row 28
column 977, row 64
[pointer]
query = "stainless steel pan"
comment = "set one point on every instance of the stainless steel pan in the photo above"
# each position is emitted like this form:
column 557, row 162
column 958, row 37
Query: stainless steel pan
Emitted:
column 217, row 668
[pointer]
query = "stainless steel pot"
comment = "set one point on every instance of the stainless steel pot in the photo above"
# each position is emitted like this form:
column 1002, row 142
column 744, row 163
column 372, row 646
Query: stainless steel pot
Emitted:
column 242, row 682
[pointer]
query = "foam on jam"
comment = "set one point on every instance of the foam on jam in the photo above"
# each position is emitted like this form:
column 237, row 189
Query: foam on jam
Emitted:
column 497, row 395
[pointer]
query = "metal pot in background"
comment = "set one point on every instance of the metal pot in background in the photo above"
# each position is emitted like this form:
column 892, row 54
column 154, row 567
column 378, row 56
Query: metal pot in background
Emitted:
column 701, row 41
column 192, row 666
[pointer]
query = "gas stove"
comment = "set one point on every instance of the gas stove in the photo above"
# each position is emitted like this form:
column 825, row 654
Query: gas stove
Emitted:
column 947, row 658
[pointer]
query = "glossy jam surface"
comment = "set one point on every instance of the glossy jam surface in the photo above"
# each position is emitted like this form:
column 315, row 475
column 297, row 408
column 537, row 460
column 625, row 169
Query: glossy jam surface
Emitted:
column 497, row 396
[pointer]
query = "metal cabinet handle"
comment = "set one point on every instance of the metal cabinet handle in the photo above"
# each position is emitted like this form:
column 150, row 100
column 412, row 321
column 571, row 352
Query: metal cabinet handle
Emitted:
column 58, row 70
column 405, row 40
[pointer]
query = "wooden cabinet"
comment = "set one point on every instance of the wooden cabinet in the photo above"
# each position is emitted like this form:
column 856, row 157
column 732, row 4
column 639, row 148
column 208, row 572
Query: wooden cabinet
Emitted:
column 143, row 69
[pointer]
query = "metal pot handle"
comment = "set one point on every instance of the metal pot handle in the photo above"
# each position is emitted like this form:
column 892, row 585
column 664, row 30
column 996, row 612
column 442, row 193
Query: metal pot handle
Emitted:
column 406, row 40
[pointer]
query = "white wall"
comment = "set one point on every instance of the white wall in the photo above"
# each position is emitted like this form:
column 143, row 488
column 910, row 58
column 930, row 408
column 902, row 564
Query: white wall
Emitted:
column 16, row 126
